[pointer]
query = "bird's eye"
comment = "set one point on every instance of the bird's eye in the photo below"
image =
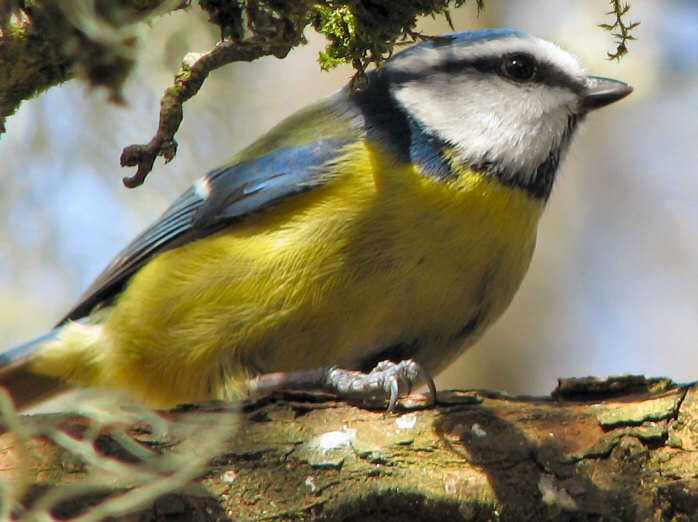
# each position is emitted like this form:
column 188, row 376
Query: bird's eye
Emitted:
column 519, row 67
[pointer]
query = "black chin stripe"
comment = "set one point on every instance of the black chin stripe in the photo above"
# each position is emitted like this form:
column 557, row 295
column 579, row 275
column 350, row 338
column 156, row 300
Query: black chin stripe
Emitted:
column 385, row 121
column 540, row 184
column 388, row 123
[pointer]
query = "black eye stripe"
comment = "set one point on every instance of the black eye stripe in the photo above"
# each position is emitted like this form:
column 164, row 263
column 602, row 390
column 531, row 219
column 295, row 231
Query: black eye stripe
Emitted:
column 546, row 73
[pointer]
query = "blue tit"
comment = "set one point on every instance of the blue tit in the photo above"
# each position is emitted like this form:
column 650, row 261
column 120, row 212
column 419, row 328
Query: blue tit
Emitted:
column 379, row 231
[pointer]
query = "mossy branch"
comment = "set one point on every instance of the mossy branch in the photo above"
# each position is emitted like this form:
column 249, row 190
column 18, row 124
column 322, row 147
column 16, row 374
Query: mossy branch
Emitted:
column 45, row 43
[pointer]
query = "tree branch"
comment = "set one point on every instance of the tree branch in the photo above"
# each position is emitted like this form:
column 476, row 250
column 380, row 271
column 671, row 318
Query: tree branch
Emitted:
column 45, row 43
column 617, row 452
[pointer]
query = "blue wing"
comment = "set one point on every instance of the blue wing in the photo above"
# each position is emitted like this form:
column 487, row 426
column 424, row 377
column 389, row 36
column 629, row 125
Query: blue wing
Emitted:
column 221, row 197
column 292, row 158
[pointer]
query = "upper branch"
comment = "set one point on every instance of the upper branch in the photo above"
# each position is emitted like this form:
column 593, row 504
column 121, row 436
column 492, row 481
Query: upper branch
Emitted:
column 45, row 43
column 272, row 34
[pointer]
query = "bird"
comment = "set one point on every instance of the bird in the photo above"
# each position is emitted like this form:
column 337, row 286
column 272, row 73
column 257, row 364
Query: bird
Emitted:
column 359, row 246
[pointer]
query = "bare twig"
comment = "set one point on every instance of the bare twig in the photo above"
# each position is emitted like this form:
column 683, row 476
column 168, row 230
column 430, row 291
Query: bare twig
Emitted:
column 272, row 34
column 195, row 69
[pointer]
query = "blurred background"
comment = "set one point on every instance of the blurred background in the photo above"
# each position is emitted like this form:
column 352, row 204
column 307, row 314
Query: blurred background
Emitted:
column 613, row 287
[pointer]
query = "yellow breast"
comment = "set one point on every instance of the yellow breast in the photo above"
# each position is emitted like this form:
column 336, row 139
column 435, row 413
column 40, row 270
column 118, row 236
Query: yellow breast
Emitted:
column 380, row 258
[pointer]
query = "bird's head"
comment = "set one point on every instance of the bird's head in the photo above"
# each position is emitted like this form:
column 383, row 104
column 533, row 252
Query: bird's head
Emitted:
column 504, row 101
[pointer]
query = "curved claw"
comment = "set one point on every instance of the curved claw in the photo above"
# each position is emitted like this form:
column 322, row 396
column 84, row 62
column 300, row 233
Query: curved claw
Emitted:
column 394, row 394
column 430, row 384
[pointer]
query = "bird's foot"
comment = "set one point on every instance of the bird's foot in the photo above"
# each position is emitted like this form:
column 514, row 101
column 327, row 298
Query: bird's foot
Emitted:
column 387, row 380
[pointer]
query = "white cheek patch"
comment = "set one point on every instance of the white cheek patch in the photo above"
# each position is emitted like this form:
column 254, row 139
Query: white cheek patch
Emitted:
column 489, row 119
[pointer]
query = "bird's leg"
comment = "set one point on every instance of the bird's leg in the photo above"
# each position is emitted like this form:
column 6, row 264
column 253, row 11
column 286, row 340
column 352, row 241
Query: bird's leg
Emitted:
column 387, row 379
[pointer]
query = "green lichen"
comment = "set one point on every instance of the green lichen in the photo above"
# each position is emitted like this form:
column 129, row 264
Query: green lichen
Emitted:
column 362, row 32
column 339, row 26
column 633, row 414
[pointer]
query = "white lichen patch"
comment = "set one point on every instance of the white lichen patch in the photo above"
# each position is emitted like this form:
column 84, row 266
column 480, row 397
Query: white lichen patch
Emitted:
column 329, row 449
column 229, row 477
column 191, row 58
column 554, row 495
column 311, row 484
column 333, row 440
column 477, row 430
column 407, row 421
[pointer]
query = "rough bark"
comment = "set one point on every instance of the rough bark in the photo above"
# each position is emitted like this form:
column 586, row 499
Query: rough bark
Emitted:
column 626, row 451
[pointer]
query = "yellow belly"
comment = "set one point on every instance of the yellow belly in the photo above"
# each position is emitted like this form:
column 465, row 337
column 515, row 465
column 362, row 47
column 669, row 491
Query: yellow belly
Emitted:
column 380, row 257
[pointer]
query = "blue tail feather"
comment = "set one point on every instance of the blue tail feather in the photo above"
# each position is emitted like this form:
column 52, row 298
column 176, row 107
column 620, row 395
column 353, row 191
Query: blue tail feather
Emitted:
column 26, row 387
column 23, row 352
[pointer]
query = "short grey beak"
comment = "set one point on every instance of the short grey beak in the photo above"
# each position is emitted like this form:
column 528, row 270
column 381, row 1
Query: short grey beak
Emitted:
column 603, row 91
